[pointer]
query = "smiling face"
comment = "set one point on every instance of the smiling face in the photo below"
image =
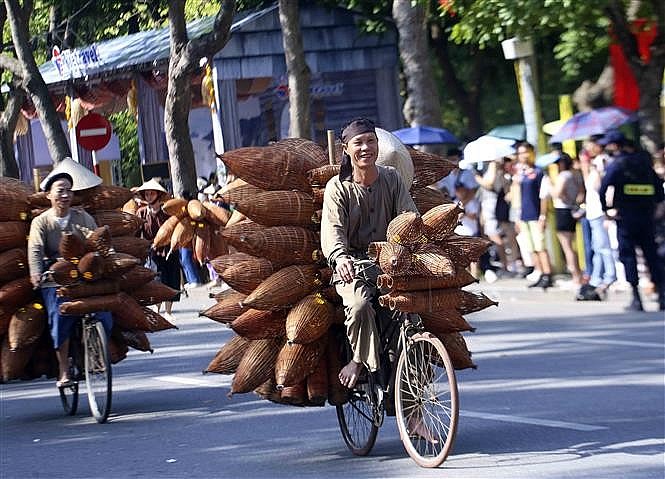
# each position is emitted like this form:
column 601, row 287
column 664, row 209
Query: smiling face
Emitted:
column 363, row 150
column 61, row 195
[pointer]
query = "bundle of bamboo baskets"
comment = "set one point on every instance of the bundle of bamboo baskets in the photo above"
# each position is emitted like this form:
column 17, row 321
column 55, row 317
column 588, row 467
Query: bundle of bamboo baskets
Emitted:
column 98, row 270
column 287, row 319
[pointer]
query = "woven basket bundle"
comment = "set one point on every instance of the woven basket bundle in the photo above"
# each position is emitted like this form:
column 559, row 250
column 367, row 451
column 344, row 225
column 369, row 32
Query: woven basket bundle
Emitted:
column 294, row 244
column 106, row 197
column 82, row 290
column 226, row 309
column 153, row 292
column 405, row 229
column 259, row 324
column 338, row 394
column 156, row 321
column 246, row 276
column 201, row 242
column 395, row 259
column 176, row 207
column 295, row 395
column 222, row 263
column 284, row 288
column 131, row 245
column 269, row 168
column 275, row 208
column 238, row 235
column 13, row 363
column 135, row 277
column 297, row 361
column 197, row 211
column 16, row 293
column 127, row 313
column 13, row 234
column 428, row 167
column 269, row 391
column 72, row 246
column 236, row 217
column 92, row 304
column 228, row 357
column 216, row 214
column 92, row 266
column 183, row 233
column 218, row 245
column 13, row 189
column 238, row 190
column 165, row 232
column 26, row 326
column 65, row 273
column 130, row 206
column 313, row 156
column 13, row 264
column 456, row 347
column 317, row 196
column 427, row 198
column 431, row 260
column 43, row 361
column 118, row 349
column 14, row 210
column 374, row 250
column 137, row 340
column 435, row 300
column 317, row 383
column 440, row 221
column 99, row 240
column 321, row 175
column 309, row 319
column 445, row 321
column 119, row 222
column 5, row 318
column 117, row 264
column 464, row 250
column 39, row 200
column 414, row 283
column 257, row 365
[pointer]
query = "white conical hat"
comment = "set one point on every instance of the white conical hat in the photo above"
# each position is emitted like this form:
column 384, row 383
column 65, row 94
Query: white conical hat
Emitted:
column 392, row 152
column 82, row 178
column 152, row 185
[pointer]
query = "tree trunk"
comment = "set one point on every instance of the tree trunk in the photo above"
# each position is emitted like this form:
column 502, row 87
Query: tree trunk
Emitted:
column 8, row 165
column 34, row 84
column 298, row 71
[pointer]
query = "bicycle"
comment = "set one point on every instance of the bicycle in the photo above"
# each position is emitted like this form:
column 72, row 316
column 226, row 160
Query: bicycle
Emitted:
column 418, row 378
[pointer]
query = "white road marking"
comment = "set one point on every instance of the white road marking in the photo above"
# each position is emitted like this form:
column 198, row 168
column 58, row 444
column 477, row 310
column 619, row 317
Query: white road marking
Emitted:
column 528, row 420
column 640, row 344
column 187, row 381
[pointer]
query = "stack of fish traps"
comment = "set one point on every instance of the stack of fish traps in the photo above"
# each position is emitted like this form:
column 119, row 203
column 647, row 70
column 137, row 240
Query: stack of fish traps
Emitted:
column 102, row 272
column 287, row 318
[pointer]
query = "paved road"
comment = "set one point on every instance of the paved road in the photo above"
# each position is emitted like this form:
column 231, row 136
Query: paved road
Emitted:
column 563, row 390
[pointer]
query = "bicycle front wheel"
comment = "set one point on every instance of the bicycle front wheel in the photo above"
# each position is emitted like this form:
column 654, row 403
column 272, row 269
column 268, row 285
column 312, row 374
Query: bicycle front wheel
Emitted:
column 98, row 379
column 426, row 400
column 357, row 418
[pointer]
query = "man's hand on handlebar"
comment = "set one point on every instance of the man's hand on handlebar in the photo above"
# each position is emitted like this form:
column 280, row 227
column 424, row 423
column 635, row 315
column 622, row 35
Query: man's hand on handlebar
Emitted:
column 344, row 268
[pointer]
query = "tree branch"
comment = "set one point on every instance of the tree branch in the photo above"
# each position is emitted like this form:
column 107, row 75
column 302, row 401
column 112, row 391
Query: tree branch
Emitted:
column 209, row 44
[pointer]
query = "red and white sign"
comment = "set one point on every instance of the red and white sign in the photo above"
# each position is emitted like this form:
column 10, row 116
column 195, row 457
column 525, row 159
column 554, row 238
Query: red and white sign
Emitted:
column 93, row 131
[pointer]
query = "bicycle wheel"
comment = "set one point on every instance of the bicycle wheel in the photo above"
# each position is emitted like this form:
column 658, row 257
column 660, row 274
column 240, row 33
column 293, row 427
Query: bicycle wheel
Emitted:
column 97, row 370
column 426, row 400
column 69, row 396
column 358, row 419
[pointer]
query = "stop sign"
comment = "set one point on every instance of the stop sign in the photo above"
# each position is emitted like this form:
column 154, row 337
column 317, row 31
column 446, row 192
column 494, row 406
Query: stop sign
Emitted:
column 93, row 131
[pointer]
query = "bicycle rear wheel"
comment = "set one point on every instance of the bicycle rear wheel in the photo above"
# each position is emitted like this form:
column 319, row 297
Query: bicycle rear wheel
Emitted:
column 426, row 400
column 98, row 379
column 357, row 418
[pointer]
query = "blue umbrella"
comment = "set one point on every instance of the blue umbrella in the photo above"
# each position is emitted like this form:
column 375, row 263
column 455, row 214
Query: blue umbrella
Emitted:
column 516, row 131
column 547, row 159
column 424, row 135
column 594, row 122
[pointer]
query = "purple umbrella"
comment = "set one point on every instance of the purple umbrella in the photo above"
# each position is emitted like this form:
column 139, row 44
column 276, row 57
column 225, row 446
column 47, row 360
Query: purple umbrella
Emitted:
column 424, row 135
column 594, row 122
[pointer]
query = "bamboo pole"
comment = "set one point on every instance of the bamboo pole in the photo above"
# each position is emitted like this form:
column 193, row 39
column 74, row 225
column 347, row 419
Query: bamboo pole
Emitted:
column 331, row 146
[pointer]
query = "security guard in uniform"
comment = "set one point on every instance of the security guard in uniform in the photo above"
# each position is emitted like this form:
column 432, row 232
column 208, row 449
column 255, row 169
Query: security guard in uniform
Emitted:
column 637, row 190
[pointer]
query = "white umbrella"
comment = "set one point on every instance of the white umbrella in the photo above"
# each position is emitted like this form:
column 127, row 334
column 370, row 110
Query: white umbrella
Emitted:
column 486, row 148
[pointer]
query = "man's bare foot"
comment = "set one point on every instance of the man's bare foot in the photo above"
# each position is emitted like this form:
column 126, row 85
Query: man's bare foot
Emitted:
column 348, row 376
column 417, row 427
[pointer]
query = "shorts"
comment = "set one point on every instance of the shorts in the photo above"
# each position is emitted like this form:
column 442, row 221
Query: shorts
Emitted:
column 565, row 220
column 531, row 236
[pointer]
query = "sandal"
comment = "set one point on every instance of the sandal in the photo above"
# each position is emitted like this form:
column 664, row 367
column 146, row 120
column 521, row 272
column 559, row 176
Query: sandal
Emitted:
column 63, row 383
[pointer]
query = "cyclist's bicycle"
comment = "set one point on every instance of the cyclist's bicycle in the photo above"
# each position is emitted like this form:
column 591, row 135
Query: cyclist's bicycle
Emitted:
column 416, row 382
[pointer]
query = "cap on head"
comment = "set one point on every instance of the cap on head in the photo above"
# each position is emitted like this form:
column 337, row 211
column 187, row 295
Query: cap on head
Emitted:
column 612, row 136
column 356, row 127
column 48, row 182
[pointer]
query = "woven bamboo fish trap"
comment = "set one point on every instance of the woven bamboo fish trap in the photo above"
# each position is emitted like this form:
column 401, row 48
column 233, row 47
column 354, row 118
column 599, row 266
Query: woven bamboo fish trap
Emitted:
column 13, row 263
column 165, row 232
column 39, row 200
column 317, row 195
column 43, row 361
column 257, row 365
column 227, row 309
column 16, row 293
column 218, row 245
column 127, row 313
column 321, row 175
column 228, row 357
column 236, row 217
column 395, row 259
column 156, row 321
column 106, row 197
column 118, row 349
column 197, row 211
column 137, row 340
column 91, row 267
column 13, row 234
column 117, row 264
column 216, row 214
column 135, row 277
column 274, row 208
column 445, row 321
column 130, row 206
column 284, row 288
column 405, row 229
column 259, row 324
column 461, row 278
column 457, row 349
column 65, row 273
column 119, row 222
column 309, row 319
column 175, row 207
column 427, row 198
column 294, row 244
column 428, row 167
column 223, row 295
column 317, row 383
column 465, row 249
column 440, row 221
column 5, row 318
column 297, row 361
column 82, row 290
column 238, row 190
column 295, row 395
column 92, row 304
column 246, row 276
column 153, row 292
column 374, row 250
column 201, row 242
column 338, row 394
column 437, row 299
column 238, row 235
column 11, row 188
column 313, row 156
column 15, row 210
column 131, row 245
column 72, row 246
column 99, row 240
column 183, row 233
column 431, row 260
column 13, row 363
column 222, row 263
column 269, row 391
column 26, row 326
